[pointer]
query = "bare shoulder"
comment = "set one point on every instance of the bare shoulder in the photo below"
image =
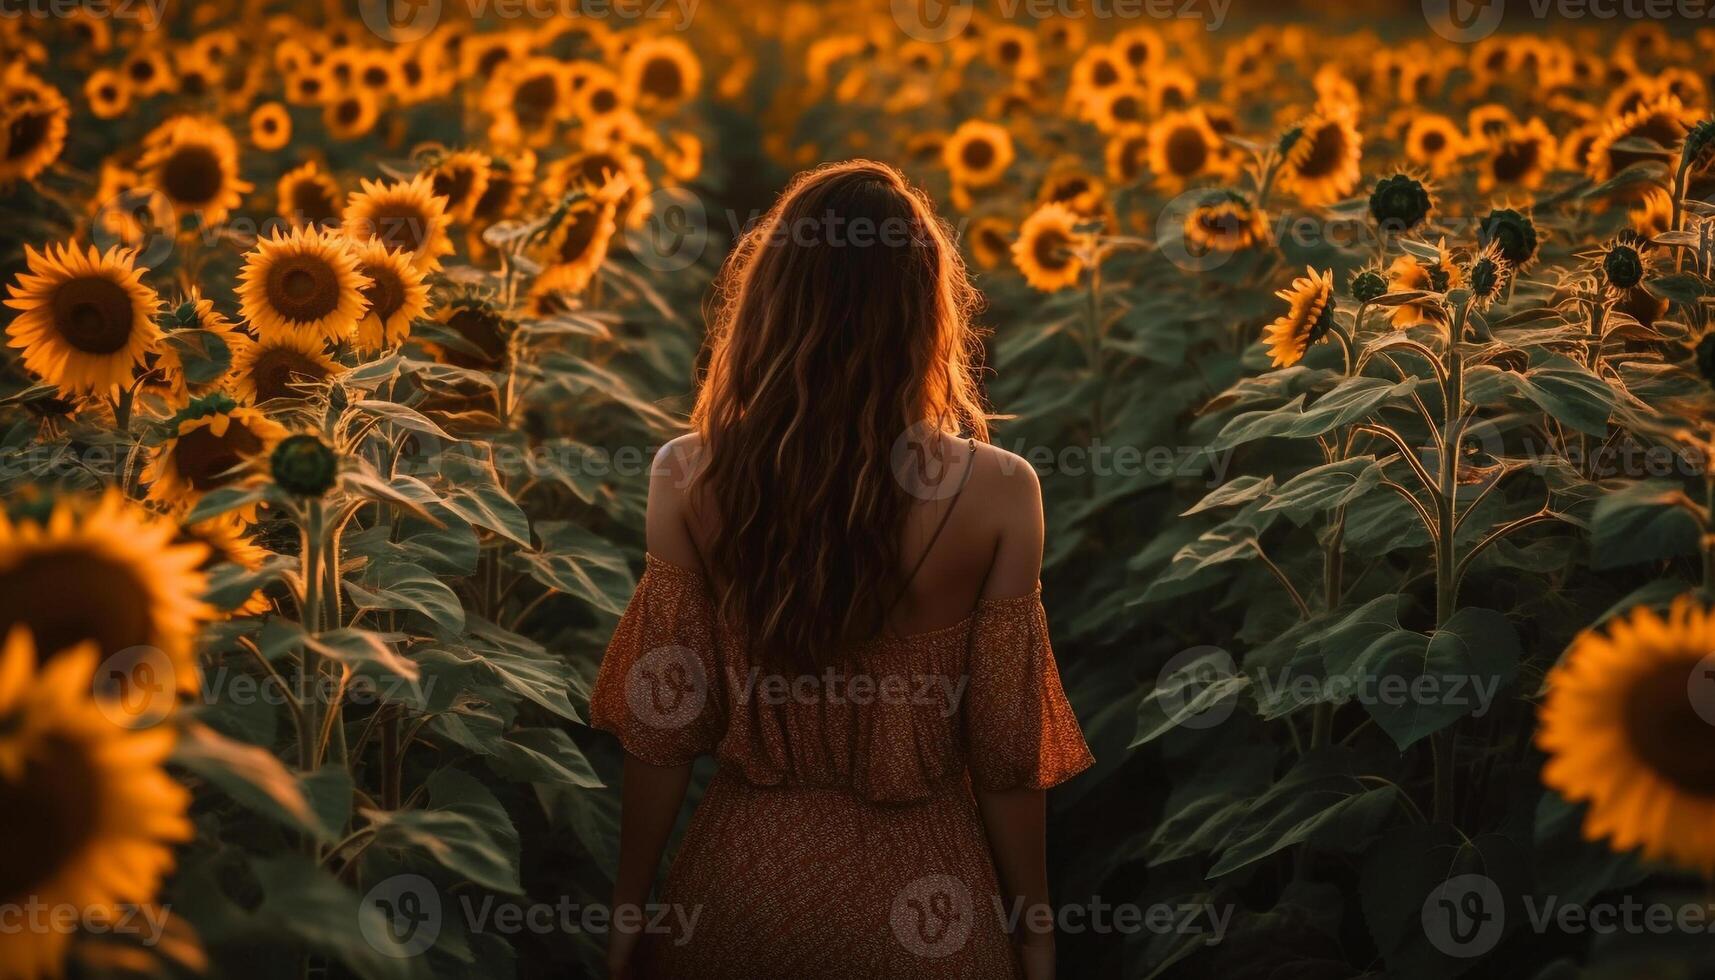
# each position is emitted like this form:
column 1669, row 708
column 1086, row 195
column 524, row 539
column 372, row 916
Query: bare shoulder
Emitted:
column 676, row 465
column 1011, row 496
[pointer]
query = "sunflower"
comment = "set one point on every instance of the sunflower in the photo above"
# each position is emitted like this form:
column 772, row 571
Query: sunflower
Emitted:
column 1575, row 147
column 1171, row 88
column 125, row 210
column 409, row 217
column 149, row 72
column 280, row 367
column 32, row 130
column 1625, row 725
column 1663, row 121
column 1518, row 159
column 396, row 295
column 509, row 180
column 1653, row 215
column 1068, row 183
column 88, row 799
column 461, row 178
column 1182, row 148
column 1225, row 221
column 1434, row 141
column 193, row 312
column 1408, row 274
column 661, row 73
column 270, row 126
column 1320, row 156
column 610, row 174
column 212, row 439
column 85, row 318
column 1140, row 48
column 989, row 240
column 304, row 283
column 309, row 197
column 1488, row 277
column 102, row 570
column 1010, row 49
column 230, row 540
column 107, row 93
column 1119, row 106
column 978, row 153
column 351, row 115
column 483, row 335
column 578, row 245
column 377, row 74
column 194, row 162
column 1049, row 250
column 1127, row 155
column 682, row 155
column 1095, row 71
column 526, row 98
column 1307, row 320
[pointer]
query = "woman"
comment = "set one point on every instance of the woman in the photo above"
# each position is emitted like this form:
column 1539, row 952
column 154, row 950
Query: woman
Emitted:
column 841, row 605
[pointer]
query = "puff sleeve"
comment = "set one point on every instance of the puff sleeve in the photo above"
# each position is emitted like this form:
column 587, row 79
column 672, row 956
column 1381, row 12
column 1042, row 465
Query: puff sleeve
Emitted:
column 658, row 689
column 1020, row 731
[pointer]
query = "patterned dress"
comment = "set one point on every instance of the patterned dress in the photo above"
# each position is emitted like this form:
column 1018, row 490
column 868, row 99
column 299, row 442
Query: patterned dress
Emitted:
column 839, row 837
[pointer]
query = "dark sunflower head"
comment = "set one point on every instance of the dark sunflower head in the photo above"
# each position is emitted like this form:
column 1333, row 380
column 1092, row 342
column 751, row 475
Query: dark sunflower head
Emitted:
column 1488, row 277
column 1399, row 203
column 1705, row 358
column 1368, row 284
column 1513, row 232
column 304, row 465
column 1698, row 141
column 1622, row 267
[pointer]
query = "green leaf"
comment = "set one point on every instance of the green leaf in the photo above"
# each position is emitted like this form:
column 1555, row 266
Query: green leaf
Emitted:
column 203, row 354
column 250, row 774
column 1195, row 690
column 405, row 586
column 1319, row 801
column 310, row 905
column 1238, row 490
column 580, row 564
column 464, row 829
column 1324, row 488
column 538, row 755
column 1643, row 522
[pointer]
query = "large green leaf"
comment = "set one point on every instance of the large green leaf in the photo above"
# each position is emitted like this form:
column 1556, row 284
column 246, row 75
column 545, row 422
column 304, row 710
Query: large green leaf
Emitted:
column 464, row 829
column 1320, row 801
column 1646, row 521
column 1324, row 488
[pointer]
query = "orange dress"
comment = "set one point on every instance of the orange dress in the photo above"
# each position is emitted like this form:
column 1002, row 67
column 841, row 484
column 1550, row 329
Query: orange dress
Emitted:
column 839, row 837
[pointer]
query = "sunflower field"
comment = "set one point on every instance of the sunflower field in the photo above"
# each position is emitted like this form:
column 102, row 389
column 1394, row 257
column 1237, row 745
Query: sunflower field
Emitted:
column 1365, row 357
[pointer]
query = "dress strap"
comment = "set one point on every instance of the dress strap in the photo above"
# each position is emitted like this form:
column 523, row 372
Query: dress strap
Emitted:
column 946, row 515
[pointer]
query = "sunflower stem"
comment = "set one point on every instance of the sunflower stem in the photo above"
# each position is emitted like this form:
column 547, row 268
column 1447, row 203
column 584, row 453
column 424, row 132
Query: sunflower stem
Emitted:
column 1443, row 743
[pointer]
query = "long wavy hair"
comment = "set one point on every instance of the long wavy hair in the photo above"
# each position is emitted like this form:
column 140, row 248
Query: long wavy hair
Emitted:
column 841, row 332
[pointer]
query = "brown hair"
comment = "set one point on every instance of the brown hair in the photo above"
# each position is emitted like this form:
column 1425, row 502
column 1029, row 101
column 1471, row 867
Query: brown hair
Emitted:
column 842, row 325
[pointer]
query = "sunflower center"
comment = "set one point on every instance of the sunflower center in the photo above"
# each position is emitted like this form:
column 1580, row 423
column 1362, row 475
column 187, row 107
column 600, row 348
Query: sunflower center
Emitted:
column 192, row 174
column 1433, row 142
column 385, row 293
column 142, row 70
column 1053, row 250
column 279, row 369
column 482, row 330
column 1664, row 727
column 25, row 134
column 1126, row 108
column 604, row 100
column 349, row 111
column 580, row 233
column 534, row 99
column 662, row 79
column 375, row 77
column 400, row 227
column 1186, row 151
column 94, row 315
column 203, row 459
column 55, row 805
column 978, row 154
column 1104, row 75
column 1326, row 148
column 302, row 288
column 70, row 595
column 1515, row 160
column 454, row 184
column 312, row 203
